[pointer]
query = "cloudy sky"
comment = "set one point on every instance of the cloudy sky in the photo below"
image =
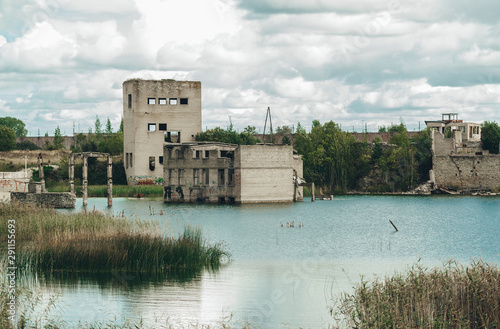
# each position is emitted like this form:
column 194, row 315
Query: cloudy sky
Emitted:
column 373, row 62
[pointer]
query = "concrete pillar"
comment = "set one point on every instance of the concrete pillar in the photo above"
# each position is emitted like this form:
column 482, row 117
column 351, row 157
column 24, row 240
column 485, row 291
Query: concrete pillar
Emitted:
column 313, row 197
column 72, row 174
column 41, row 174
column 110, row 181
column 84, row 181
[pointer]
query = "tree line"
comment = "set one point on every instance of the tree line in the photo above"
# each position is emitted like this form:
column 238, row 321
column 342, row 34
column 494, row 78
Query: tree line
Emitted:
column 98, row 140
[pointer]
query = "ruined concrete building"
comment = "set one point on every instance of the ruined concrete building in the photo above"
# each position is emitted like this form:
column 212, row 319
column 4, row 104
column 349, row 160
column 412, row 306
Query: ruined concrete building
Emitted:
column 450, row 122
column 156, row 112
column 160, row 121
column 459, row 163
column 226, row 173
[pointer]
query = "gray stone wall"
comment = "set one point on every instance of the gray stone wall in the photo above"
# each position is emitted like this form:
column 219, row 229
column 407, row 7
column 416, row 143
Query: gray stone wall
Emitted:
column 465, row 168
column 53, row 200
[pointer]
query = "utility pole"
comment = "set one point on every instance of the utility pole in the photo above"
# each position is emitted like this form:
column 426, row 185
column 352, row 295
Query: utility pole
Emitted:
column 268, row 115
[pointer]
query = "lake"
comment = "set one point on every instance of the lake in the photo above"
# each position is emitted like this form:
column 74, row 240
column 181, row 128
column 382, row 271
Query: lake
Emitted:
column 280, row 276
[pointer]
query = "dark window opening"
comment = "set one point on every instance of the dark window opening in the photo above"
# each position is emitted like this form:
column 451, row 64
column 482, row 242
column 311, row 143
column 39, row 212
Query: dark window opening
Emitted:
column 160, row 159
column 131, row 161
column 172, row 101
column 205, row 176
column 151, row 126
column 197, row 154
column 152, row 163
column 226, row 154
column 207, row 154
column 222, row 179
column 173, row 136
column 162, row 126
column 151, row 101
column 230, row 177
column 162, row 101
column 222, row 200
column 184, row 101
column 232, row 200
column 129, row 101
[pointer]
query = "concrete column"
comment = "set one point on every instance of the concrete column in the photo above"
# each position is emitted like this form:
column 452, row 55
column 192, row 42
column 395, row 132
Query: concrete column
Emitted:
column 110, row 181
column 72, row 174
column 41, row 173
column 313, row 197
column 84, row 181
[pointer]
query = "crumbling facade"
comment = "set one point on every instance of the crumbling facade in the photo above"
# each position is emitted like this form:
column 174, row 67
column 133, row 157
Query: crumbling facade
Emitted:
column 463, row 165
column 226, row 173
column 156, row 112
column 449, row 121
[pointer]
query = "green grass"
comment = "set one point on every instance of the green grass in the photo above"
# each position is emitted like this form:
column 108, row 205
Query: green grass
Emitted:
column 50, row 241
column 118, row 190
column 454, row 296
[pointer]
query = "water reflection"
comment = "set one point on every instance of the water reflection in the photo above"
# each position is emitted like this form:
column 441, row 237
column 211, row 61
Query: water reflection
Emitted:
column 288, row 275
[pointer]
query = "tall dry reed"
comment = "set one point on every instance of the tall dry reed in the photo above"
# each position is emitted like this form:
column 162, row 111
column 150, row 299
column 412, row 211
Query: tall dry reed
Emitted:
column 454, row 296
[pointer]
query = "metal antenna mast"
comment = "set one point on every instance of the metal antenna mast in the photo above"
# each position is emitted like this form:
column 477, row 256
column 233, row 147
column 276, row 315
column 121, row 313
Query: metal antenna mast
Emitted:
column 268, row 115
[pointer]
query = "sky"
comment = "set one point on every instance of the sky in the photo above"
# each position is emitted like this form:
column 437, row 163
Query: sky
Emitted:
column 360, row 63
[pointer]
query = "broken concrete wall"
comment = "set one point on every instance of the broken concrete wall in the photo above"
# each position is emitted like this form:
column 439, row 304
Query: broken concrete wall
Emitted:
column 53, row 200
column 266, row 173
column 464, row 168
column 200, row 173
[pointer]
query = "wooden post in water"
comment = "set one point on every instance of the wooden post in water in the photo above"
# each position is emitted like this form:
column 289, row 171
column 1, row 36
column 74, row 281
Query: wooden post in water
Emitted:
column 84, row 181
column 72, row 174
column 313, row 198
column 110, row 181
column 41, row 173
column 393, row 225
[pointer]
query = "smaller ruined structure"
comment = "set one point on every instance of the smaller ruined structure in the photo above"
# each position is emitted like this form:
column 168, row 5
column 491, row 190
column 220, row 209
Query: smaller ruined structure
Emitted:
column 38, row 194
column 450, row 122
column 459, row 164
column 227, row 173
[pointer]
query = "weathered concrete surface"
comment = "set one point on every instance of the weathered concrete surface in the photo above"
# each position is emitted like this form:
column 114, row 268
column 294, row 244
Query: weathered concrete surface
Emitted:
column 47, row 199
column 216, row 172
column 463, row 167
column 141, row 143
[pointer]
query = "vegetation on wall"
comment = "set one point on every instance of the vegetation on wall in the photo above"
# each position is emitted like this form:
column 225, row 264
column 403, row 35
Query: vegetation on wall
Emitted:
column 229, row 135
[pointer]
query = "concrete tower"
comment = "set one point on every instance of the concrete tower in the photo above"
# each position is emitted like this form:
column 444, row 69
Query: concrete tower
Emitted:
column 156, row 112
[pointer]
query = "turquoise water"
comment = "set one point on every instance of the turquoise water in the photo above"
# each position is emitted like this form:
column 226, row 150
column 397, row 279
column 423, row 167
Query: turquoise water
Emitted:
column 281, row 276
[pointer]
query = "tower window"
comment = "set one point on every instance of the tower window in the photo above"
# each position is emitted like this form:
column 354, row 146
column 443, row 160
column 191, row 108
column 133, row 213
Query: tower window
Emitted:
column 184, row 101
column 172, row 101
column 129, row 101
column 151, row 126
column 151, row 101
column 162, row 126
column 162, row 101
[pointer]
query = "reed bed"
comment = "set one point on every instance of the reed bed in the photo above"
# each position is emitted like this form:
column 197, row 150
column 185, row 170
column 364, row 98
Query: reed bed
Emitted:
column 454, row 296
column 95, row 242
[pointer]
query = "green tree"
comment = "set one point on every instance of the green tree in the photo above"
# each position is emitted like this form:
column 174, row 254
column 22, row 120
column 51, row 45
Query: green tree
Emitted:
column 7, row 138
column 109, row 128
column 97, row 125
column 228, row 135
column 120, row 130
column 490, row 136
column 58, row 139
column 16, row 125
